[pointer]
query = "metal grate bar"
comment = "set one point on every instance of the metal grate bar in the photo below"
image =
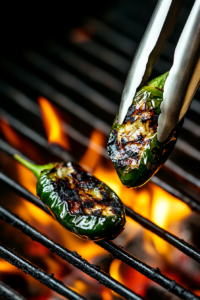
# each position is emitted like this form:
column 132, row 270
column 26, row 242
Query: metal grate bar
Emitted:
column 30, row 269
column 153, row 274
column 92, row 71
column 7, row 292
column 70, row 256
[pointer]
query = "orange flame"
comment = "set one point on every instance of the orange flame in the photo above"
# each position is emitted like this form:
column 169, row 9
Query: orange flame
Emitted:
column 106, row 294
column 17, row 141
column 10, row 134
column 7, row 267
column 52, row 124
column 114, row 270
column 165, row 210
column 92, row 156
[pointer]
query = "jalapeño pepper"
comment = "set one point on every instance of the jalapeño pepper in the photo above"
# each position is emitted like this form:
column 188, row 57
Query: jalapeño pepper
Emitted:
column 133, row 147
column 77, row 200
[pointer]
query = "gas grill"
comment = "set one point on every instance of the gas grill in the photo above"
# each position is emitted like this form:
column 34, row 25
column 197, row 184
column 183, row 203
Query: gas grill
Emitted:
column 81, row 68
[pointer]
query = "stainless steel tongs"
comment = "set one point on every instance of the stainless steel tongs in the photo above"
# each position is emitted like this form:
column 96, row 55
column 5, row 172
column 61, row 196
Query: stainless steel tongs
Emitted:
column 184, row 76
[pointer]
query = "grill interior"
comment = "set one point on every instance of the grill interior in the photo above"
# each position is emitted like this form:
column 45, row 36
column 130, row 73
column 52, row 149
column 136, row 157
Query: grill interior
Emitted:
column 80, row 66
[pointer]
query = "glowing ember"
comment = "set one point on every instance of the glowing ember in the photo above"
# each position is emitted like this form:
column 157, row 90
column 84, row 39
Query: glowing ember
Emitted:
column 52, row 124
column 79, row 35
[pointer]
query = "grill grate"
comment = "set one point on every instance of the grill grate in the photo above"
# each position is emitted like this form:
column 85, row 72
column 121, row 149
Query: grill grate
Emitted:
column 115, row 250
column 85, row 79
column 38, row 274
column 118, row 252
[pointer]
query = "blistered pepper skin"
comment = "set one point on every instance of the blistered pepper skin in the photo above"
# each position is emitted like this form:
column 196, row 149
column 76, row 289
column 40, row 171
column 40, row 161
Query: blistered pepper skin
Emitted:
column 133, row 147
column 79, row 201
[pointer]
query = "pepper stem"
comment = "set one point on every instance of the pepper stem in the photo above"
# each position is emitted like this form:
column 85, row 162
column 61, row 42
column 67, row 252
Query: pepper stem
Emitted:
column 36, row 169
column 159, row 82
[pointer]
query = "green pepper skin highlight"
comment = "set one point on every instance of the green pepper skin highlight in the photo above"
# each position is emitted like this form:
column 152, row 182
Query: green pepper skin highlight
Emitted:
column 133, row 147
column 79, row 201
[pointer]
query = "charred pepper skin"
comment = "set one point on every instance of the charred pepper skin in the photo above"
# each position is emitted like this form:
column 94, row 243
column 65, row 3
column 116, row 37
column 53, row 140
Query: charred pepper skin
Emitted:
column 133, row 147
column 79, row 201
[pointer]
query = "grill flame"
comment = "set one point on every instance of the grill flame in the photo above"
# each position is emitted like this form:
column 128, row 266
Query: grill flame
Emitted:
column 52, row 124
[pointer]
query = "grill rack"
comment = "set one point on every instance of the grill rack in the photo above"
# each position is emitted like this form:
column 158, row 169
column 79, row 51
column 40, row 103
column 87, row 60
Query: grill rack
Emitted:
column 116, row 251
column 95, row 122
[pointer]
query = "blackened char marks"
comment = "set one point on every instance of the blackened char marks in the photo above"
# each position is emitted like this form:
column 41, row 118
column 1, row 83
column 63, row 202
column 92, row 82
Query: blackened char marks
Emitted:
column 140, row 139
column 121, row 151
column 129, row 116
column 131, row 152
column 84, row 179
column 88, row 204
column 125, row 146
column 68, row 195
column 73, row 188
column 112, row 145
column 96, row 212
column 75, row 207
column 153, row 124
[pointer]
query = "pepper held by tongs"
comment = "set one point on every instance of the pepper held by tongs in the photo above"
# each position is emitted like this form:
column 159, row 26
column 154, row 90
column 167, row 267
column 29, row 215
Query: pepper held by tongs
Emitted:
column 145, row 131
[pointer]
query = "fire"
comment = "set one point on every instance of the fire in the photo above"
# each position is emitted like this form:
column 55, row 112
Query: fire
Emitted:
column 95, row 147
column 52, row 124
column 115, row 270
column 10, row 134
column 7, row 267
column 165, row 210
column 17, row 141
column 106, row 294
column 28, row 180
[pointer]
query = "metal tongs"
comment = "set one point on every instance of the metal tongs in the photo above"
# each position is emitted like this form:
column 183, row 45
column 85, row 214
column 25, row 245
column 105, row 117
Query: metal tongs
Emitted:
column 184, row 76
